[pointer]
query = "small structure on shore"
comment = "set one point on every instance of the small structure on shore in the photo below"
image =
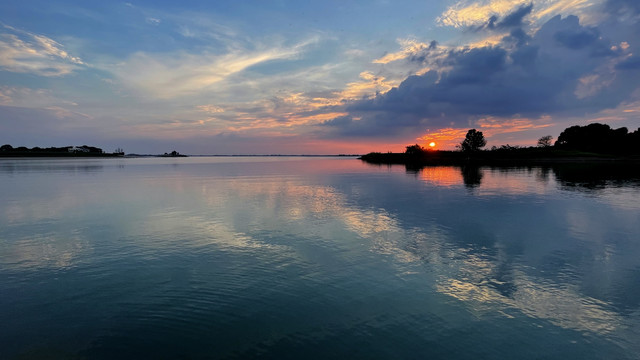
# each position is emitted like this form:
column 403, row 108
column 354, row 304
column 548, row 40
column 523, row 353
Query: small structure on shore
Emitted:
column 66, row 151
column 173, row 154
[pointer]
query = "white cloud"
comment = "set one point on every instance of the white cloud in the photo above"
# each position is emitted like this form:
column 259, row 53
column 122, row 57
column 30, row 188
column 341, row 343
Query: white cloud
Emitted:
column 25, row 52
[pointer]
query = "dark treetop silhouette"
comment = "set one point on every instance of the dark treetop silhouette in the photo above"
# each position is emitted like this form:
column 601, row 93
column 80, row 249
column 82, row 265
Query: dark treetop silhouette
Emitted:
column 473, row 141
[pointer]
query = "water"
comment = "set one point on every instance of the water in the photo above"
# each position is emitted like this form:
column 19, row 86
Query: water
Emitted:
column 289, row 258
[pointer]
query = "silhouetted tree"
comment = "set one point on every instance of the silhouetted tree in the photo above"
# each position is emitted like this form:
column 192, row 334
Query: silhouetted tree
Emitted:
column 6, row 147
column 598, row 138
column 414, row 150
column 633, row 142
column 545, row 141
column 473, row 141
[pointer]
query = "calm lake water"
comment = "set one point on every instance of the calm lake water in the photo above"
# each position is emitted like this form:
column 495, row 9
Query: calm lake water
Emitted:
column 327, row 258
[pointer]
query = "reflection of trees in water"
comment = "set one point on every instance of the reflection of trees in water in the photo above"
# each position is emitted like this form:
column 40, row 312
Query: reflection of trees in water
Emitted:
column 413, row 168
column 542, row 174
column 574, row 176
column 471, row 175
column 596, row 176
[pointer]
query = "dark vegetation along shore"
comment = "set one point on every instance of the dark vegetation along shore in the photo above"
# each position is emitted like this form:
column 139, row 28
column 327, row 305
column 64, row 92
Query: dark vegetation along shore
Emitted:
column 593, row 143
column 66, row 151
column 71, row 151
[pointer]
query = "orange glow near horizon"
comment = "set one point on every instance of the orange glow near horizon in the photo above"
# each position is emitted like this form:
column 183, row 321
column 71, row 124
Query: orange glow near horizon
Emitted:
column 446, row 138
column 432, row 144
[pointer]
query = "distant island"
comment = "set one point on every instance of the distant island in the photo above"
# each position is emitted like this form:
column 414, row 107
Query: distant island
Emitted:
column 172, row 154
column 66, row 151
column 591, row 143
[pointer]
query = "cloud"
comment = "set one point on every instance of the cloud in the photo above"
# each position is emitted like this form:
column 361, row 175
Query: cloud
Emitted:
column 18, row 96
column 551, row 72
column 25, row 52
column 210, row 109
column 467, row 13
column 514, row 19
column 410, row 48
column 630, row 63
column 369, row 85
column 178, row 74
column 623, row 7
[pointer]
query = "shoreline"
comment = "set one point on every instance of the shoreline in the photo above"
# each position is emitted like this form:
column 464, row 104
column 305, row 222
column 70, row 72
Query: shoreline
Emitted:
column 490, row 158
column 49, row 155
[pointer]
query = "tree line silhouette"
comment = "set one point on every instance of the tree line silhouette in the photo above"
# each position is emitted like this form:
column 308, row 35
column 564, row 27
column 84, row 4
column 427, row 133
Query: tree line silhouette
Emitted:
column 590, row 142
column 593, row 138
column 600, row 138
column 65, row 151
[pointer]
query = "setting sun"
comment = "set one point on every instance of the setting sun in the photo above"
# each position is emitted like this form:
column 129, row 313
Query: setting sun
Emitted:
column 432, row 144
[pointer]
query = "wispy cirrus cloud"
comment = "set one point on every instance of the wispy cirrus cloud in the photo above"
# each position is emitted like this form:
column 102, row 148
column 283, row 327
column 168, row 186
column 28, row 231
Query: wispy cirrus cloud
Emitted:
column 20, row 96
column 25, row 52
column 170, row 75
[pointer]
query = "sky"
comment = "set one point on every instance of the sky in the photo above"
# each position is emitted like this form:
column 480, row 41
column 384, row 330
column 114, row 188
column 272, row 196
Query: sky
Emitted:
column 311, row 77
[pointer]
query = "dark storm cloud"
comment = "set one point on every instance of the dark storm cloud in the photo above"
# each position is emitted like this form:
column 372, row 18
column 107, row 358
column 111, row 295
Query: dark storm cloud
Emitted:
column 512, row 20
column 576, row 39
column 515, row 18
column 524, row 75
column 623, row 7
column 517, row 36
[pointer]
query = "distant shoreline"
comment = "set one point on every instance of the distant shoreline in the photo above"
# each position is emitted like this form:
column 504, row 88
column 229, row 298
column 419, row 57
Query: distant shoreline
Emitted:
column 132, row 156
column 247, row 155
column 58, row 155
